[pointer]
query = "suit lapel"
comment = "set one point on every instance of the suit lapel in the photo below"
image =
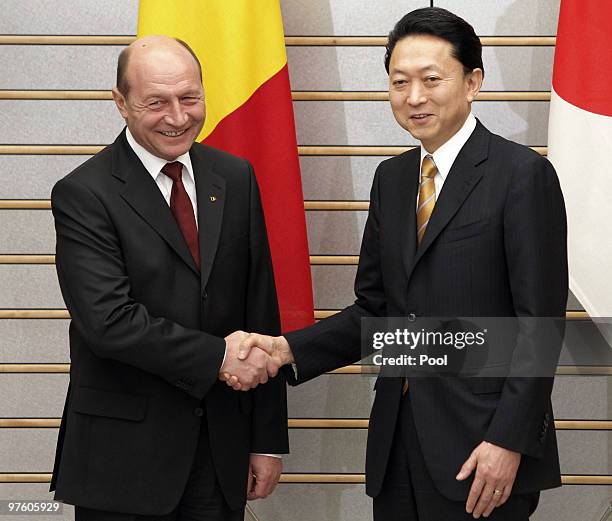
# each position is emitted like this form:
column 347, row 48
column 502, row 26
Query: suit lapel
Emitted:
column 462, row 178
column 210, row 189
column 143, row 195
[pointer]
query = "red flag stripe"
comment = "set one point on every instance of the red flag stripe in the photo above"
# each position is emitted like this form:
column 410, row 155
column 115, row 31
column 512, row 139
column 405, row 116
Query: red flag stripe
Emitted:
column 263, row 131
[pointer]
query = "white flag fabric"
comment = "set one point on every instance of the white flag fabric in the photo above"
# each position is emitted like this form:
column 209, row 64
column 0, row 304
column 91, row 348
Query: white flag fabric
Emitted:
column 580, row 145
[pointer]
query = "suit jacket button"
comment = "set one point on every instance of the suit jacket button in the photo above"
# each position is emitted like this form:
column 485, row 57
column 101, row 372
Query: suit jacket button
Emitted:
column 204, row 294
column 198, row 411
column 411, row 317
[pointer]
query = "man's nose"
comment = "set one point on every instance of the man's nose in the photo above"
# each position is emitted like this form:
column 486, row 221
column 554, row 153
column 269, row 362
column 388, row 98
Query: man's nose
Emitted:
column 176, row 114
column 416, row 96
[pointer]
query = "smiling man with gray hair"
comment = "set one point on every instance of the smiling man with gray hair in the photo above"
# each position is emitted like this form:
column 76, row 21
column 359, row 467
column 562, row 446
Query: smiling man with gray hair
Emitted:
column 162, row 253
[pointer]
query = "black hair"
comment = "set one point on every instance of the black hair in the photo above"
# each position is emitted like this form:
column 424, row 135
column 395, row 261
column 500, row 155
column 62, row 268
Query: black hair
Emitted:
column 435, row 21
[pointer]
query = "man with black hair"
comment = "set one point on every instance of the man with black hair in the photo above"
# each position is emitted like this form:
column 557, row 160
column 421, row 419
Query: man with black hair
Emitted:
column 467, row 225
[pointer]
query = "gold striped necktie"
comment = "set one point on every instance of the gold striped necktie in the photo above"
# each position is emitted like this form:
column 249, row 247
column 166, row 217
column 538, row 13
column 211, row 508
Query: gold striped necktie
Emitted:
column 426, row 203
column 427, row 195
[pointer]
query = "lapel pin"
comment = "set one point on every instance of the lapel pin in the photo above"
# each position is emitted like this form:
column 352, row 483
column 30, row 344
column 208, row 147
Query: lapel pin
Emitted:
column 213, row 198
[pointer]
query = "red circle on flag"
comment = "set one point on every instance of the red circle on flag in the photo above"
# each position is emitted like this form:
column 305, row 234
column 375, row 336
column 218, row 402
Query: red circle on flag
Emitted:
column 582, row 72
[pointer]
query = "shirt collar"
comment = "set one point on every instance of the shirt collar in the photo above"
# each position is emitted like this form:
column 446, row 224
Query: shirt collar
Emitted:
column 445, row 156
column 154, row 164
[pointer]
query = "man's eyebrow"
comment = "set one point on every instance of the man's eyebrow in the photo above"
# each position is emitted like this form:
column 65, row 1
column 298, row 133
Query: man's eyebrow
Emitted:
column 151, row 94
column 162, row 95
column 430, row 67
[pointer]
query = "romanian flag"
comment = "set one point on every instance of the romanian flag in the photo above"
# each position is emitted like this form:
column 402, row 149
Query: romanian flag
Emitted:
column 249, row 113
column 580, row 145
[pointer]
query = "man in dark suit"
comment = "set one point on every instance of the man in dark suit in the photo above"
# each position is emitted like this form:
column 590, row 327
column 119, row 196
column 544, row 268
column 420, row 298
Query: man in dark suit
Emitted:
column 162, row 252
column 467, row 225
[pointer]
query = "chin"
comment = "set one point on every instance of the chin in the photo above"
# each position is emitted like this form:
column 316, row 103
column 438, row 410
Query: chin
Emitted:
column 176, row 150
column 417, row 133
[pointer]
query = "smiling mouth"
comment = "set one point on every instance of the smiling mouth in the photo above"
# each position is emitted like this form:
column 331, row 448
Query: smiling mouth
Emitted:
column 420, row 116
column 172, row 133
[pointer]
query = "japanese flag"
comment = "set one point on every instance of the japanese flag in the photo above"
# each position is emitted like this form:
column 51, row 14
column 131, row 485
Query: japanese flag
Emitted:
column 580, row 145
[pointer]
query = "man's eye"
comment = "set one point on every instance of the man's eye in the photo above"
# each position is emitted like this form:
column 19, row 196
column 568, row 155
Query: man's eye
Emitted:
column 399, row 82
column 155, row 103
column 431, row 79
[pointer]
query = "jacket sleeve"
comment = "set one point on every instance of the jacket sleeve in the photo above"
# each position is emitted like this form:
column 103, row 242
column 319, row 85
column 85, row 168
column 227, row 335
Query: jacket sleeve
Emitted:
column 96, row 288
column 269, row 420
column 535, row 236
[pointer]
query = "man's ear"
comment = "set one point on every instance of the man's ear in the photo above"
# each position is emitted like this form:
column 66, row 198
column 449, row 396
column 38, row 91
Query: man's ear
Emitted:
column 120, row 102
column 474, row 82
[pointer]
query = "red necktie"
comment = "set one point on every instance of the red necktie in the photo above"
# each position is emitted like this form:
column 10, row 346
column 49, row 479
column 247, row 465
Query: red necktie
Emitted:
column 181, row 208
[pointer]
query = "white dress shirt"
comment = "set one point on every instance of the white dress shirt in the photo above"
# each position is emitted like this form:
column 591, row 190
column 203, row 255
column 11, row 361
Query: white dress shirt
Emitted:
column 445, row 156
column 154, row 164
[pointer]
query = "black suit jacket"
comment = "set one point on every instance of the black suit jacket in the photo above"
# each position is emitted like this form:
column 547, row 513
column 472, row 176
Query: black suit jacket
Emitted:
column 146, row 336
column 495, row 247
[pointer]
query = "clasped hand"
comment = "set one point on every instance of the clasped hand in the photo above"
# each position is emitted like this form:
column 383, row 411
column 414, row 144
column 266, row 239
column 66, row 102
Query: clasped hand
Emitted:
column 250, row 359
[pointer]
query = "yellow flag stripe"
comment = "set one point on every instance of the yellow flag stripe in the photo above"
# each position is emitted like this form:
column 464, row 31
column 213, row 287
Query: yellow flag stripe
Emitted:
column 240, row 44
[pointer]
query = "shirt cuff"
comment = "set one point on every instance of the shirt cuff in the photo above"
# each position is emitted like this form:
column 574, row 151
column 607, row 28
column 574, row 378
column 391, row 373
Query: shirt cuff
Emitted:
column 224, row 357
column 279, row 456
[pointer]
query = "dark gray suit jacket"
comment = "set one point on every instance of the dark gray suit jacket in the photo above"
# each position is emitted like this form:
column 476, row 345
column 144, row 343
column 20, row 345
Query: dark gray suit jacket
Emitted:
column 146, row 337
column 495, row 246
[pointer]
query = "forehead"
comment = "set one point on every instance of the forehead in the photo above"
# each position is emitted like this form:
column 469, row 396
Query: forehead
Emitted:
column 422, row 50
column 163, row 68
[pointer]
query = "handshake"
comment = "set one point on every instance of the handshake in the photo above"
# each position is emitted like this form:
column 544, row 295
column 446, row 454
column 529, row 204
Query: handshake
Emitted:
column 251, row 358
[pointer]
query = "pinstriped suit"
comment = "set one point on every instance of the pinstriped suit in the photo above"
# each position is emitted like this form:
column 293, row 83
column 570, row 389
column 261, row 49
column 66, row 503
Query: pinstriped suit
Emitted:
column 147, row 329
column 495, row 246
